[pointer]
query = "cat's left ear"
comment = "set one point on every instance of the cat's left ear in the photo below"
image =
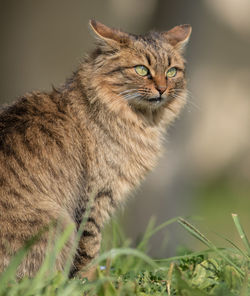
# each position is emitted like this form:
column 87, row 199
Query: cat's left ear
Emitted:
column 111, row 36
column 178, row 36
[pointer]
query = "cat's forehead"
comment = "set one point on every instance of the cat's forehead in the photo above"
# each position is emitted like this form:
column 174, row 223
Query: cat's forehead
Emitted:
column 156, row 50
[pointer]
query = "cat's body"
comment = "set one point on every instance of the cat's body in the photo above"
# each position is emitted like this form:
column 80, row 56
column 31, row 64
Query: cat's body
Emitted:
column 91, row 141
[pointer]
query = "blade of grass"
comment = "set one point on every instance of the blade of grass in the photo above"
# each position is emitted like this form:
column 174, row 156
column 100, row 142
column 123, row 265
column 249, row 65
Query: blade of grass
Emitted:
column 187, row 256
column 47, row 268
column 10, row 272
column 62, row 239
column 150, row 233
column 127, row 252
column 241, row 233
column 142, row 247
column 197, row 234
column 147, row 236
column 118, row 236
column 169, row 278
column 232, row 244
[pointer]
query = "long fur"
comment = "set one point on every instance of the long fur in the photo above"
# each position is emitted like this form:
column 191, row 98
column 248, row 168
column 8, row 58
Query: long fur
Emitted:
column 96, row 136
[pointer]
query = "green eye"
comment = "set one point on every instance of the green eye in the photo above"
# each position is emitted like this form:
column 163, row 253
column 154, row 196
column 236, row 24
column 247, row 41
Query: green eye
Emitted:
column 141, row 70
column 171, row 72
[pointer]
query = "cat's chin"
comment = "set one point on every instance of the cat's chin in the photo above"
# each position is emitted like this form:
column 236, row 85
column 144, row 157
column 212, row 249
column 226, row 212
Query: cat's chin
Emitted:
column 151, row 103
column 148, row 104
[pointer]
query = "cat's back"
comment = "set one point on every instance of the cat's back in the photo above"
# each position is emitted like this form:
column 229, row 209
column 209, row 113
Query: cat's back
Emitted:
column 28, row 110
column 39, row 119
column 35, row 136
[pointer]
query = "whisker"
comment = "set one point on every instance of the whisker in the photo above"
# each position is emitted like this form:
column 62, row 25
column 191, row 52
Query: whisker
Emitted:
column 131, row 96
column 134, row 93
column 188, row 101
column 128, row 91
column 146, row 91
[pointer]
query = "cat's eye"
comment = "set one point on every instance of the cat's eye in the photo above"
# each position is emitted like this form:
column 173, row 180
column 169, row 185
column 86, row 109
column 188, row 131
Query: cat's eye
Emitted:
column 171, row 72
column 141, row 70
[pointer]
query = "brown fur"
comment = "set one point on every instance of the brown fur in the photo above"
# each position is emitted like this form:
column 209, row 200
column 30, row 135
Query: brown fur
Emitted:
column 95, row 137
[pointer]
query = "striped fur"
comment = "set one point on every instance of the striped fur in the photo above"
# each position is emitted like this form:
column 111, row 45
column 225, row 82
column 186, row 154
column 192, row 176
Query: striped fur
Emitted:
column 94, row 138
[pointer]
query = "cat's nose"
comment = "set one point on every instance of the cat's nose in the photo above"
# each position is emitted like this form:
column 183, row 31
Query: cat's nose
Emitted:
column 161, row 89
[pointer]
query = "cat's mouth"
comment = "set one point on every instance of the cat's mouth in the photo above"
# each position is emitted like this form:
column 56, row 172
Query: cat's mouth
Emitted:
column 155, row 100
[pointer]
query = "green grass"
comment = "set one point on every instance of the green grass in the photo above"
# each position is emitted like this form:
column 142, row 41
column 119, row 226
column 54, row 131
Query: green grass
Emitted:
column 130, row 271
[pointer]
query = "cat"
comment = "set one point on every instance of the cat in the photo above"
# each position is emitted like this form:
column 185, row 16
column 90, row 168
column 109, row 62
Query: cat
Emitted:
column 97, row 136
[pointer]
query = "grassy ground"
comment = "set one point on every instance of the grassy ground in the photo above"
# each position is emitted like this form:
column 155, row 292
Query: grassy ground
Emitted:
column 126, row 271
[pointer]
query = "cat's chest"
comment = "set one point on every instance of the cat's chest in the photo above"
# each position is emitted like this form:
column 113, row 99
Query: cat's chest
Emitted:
column 123, row 161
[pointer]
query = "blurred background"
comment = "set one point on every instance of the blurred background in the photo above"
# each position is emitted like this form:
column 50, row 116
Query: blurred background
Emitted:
column 205, row 171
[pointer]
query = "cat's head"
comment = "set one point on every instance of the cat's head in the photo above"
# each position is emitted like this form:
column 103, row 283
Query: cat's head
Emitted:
column 146, row 72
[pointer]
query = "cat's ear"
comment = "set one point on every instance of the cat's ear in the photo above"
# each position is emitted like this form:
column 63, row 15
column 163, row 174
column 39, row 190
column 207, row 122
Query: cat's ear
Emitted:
column 111, row 36
column 178, row 36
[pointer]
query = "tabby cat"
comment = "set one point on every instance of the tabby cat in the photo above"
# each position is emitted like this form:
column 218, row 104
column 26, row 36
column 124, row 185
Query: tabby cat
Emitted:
column 95, row 137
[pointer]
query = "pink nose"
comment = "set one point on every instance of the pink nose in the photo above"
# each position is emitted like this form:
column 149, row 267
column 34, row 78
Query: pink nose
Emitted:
column 161, row 88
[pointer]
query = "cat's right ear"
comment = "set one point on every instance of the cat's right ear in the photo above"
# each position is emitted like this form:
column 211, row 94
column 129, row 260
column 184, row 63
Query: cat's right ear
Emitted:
column 111, row 36
column 179, row 36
